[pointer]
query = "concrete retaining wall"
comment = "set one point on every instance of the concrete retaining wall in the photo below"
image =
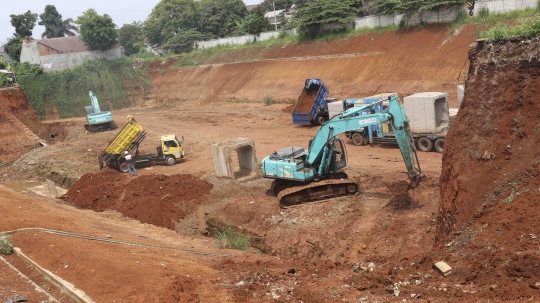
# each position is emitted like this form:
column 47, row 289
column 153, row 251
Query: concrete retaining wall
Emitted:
column 500, row 6
column 53, row 63
column 240, row 40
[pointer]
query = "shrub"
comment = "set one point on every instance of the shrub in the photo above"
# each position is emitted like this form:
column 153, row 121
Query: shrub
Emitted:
column 229, row 237
column 5, row 246
column 267, row 100
column 483, row 12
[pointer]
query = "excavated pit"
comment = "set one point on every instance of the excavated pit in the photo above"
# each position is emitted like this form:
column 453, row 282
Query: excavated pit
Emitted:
column 489, row 215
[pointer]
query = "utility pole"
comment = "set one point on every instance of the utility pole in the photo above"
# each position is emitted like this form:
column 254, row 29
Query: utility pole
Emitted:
column 275, row 17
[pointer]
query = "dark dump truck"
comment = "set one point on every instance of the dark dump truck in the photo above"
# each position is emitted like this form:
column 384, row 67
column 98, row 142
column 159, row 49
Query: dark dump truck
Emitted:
column 312, row 105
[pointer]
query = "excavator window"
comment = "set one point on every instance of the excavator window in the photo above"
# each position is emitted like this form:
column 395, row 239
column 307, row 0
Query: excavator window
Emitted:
column 339, row 160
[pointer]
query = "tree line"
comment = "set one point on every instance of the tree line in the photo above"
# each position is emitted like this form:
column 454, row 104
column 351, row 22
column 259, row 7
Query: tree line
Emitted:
column 175, row 24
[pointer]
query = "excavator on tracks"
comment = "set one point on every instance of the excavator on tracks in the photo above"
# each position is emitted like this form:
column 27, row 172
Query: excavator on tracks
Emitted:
column 302, row 176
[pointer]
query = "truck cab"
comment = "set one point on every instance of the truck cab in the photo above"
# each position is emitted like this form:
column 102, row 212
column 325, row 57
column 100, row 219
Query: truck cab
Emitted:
column 171, row 148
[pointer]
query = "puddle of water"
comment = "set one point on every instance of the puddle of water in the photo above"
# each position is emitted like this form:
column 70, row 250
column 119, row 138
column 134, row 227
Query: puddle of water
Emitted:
column 20, row 187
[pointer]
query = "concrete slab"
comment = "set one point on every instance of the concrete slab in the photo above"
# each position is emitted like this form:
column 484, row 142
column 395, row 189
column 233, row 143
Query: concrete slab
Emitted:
column 427, row 112
column 460, row 94
column 335, row 108
column 244, row 168
column 443, row 268
column 43, row 190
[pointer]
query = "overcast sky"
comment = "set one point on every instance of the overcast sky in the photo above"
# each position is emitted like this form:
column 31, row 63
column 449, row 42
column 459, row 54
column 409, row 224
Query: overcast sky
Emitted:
column 122, row 11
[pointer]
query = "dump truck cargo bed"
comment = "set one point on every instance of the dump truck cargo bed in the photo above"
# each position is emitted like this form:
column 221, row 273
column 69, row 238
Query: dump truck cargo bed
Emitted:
column 124, row 138
column 311, row 107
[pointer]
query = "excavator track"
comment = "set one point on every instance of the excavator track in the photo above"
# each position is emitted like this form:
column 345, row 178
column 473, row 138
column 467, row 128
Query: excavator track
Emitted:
column 100, row 127
column 316, row 191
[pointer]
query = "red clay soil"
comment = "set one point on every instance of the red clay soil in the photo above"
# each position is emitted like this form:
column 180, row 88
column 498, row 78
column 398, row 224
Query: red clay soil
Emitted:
column 14, row 110
column 13, row 101
column 490, row 189
column 427, row 59
column 154, row 199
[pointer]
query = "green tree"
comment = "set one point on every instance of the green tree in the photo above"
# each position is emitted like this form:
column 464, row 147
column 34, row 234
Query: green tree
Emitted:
column 410, row 7
column 169, row 17
column 130, row 37
column 218, row 17
column 98, row 31
column 436, row 4
column 13, row 48
column 257, row 23
column 87, row 15
column 396, row 7
column 55, row 26
column 183, row 41
column 316, row 14
column 24, row 24
column 268, row 5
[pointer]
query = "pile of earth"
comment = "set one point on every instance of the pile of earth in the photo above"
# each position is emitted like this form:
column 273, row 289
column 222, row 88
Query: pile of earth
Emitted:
column 154, row 199
column 489, row 218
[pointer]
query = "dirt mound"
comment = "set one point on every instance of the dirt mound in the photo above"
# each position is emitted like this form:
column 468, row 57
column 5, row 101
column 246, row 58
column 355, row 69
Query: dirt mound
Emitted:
column 489, row 214
column 155, row 199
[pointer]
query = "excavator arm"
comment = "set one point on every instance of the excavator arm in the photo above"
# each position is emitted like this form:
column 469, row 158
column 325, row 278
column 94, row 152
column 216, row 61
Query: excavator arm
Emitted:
column 95, row 102
column 359, row 117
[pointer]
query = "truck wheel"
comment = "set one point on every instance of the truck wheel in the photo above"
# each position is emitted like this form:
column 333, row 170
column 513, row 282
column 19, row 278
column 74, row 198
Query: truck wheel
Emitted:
column 357, row 139
column 425, row 144
column 170, row 160
column 320, row 120
column 123, row 168
column 439, row 145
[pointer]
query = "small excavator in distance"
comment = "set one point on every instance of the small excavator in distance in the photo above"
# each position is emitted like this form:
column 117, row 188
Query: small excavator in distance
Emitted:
column 302, row 176
column 98, row 120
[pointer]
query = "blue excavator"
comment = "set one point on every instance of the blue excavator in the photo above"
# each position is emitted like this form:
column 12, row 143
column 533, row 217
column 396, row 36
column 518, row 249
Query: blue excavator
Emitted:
column 97, row 120
column 302, row 176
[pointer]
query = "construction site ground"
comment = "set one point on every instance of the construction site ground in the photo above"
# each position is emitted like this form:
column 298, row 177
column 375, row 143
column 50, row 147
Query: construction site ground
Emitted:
column 152, row 238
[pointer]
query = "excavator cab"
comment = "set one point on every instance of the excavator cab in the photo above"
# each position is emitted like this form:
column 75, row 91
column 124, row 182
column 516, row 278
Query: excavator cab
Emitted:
column 339, row 156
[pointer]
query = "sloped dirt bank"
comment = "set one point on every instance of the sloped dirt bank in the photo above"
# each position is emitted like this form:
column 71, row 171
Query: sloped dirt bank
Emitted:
column 489, row 217
column 155, row 199
column 427, row 59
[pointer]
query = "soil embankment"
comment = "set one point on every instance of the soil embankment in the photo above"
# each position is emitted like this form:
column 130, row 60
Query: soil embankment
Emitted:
column 489, row 181
column 18, row 121
column 406, row 62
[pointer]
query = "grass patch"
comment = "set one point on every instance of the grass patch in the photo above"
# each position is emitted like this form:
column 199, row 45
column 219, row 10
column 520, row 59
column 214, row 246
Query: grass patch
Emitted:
column 229, row 237
column 528, row 27
column 483, row 16
column 268, row 100
column 6, row 247
column 514, row 193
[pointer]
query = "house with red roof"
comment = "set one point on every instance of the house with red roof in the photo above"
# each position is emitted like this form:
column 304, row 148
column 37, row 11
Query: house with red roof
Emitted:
column 61, row 53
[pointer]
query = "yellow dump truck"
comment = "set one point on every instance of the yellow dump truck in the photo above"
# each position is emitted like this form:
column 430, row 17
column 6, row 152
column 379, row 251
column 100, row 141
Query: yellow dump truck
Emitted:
column 169, row 150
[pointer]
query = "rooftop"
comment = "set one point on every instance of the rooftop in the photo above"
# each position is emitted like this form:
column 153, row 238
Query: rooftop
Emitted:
column 63, row 45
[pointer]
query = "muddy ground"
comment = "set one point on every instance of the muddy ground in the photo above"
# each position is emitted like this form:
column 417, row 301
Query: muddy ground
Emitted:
column 475, row 210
